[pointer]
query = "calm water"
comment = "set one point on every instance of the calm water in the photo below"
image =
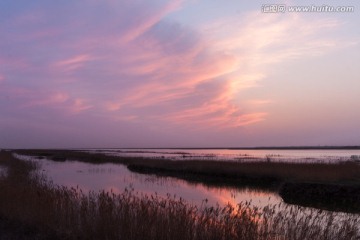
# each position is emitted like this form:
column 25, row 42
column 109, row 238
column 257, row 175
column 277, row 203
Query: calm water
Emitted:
column 117, row 178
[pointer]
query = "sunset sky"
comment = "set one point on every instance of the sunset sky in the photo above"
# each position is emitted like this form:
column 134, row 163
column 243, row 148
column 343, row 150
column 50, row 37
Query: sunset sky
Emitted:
column 177, row 73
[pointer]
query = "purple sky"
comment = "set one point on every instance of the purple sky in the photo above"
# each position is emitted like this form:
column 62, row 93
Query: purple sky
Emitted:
column 116, row 73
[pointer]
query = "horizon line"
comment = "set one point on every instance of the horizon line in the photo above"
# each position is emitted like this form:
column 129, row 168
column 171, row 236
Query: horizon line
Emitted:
column 327, row 147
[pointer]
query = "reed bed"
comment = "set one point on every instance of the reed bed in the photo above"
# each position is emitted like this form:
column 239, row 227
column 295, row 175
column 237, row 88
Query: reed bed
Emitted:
column 342, row 172
column 57, row 212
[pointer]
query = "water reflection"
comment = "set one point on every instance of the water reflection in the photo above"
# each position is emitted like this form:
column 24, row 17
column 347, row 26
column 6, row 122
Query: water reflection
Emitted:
column 117, row 178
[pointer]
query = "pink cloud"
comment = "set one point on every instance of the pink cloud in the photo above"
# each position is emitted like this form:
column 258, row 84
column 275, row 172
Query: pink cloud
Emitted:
column 218, row 114
column 78, row 105
column 27, row 99
column 272, row 38
column 144, row 24
column 177, row 80
column 73, row 63
column 47, row 99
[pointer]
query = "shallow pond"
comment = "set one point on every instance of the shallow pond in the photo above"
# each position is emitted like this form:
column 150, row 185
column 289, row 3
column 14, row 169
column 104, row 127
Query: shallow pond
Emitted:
column 117, row 178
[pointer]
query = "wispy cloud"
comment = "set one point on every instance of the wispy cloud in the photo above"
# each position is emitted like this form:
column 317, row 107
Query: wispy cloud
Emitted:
column 237, row 61
column 138, row 26
column 74, row 62
column 23, row 99
column 79, row 105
